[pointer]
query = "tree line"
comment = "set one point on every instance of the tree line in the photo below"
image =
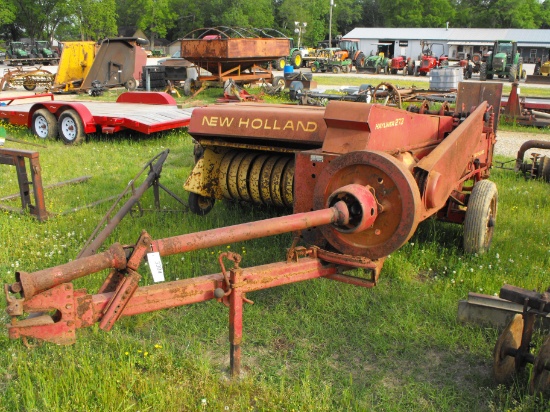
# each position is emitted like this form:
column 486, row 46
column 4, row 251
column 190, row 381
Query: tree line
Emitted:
column 76, row 20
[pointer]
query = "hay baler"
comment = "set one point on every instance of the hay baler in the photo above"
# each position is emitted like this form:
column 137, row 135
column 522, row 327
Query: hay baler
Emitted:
column 359, row 178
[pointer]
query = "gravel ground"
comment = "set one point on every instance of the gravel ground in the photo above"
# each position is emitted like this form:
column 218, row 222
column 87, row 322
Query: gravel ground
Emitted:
column 508, row 143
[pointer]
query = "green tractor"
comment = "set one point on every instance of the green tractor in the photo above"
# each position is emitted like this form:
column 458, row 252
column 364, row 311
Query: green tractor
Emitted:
column 504, row 61
column 16, row 50
column 375, row 64
column 295, row 58
column 40, row 48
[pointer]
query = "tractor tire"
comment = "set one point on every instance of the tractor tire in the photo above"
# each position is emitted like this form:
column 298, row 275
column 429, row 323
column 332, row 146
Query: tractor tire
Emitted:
column 281, row 63
column 71, row 128
column 335, row 69
column 360, row 61
column 411, row 66
column 44, row 124
column 378, row 69
column 416, row 71
column 296, row 59
column 483, row 72
column 481, row 215
column 200, row 205
column 314, row 68
column 512, row 76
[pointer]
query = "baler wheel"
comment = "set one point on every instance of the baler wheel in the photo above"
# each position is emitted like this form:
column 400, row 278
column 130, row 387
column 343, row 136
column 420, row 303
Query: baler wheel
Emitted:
column 504, row 366
column 481, row 216
column 200, row 205
column 540, row 376
column 396, row 193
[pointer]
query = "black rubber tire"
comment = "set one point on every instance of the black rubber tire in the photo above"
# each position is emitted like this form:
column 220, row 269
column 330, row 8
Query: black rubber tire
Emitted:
column 480, row 219
column 512, row 76
column 281, row 63
column 416, row 71
column 483, row 72
column 44, row 124
column 314, row 68
column 71, row 128
column 296, row 59
column 200, row 205
column 378, row 69
column 360, row 60
column 335, row 69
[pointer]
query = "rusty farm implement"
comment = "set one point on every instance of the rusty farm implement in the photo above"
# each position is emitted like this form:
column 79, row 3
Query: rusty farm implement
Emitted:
column 28, row 77
column 359, row 178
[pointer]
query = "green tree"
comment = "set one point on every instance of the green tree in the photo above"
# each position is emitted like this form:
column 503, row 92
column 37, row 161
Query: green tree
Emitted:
column 37, row 18
column 7, row 12
column 96, row 18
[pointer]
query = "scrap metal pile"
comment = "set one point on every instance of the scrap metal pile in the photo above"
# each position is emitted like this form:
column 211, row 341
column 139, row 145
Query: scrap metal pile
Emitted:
column 358, row 178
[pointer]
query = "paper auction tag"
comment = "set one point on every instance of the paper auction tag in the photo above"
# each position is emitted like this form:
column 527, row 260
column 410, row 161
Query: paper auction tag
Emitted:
column 156, row 266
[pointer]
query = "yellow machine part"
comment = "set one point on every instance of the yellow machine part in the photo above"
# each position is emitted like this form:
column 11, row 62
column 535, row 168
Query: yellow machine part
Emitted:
column 545, row 69
column 76, row 61
column 259, row 177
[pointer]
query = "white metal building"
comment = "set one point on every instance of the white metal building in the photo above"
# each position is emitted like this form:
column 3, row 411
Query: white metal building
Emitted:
column 456, row 43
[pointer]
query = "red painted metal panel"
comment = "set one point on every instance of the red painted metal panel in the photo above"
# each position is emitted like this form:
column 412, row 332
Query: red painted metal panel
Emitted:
column 295, row 125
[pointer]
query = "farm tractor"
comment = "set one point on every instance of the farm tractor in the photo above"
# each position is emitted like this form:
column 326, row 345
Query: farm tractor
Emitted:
column 40, row 48
column 406, row 64
column 504, row 61
column 429, row 61
column 327, row 60
column 349, row 50
column 16, row 50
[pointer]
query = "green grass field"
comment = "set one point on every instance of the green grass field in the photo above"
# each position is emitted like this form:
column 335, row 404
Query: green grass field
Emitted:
column 313, row 346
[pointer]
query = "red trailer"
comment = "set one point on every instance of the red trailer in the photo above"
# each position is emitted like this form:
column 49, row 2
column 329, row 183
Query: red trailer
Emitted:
column 71, row 121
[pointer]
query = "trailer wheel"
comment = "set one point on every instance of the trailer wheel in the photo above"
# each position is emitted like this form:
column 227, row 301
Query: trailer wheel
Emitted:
column 71, row 129
column 131, row 84
column 44, row 124
column 481, row 215
column 278, row 82
column 29, row 84
column 200, row 205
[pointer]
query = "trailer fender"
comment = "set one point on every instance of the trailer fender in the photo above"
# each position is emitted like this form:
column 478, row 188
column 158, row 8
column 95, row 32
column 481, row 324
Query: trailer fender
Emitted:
column 57, row 108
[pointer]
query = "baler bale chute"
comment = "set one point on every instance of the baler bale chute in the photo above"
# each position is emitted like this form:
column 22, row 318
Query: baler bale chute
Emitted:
column 359, row 178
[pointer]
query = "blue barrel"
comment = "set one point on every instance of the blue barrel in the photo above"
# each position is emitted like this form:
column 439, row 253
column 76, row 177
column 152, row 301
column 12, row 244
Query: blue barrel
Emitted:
column 288, row 69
